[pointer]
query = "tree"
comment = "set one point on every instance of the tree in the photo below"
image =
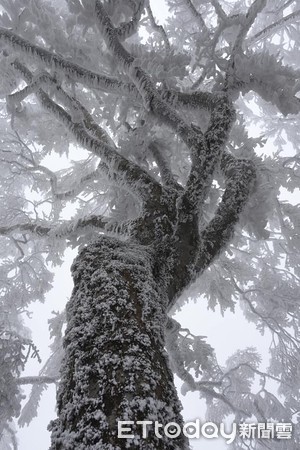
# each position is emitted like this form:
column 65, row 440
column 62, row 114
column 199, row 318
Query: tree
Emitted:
column 173, row 187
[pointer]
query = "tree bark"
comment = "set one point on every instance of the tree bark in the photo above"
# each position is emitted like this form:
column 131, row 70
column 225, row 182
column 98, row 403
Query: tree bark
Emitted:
column 115, row 366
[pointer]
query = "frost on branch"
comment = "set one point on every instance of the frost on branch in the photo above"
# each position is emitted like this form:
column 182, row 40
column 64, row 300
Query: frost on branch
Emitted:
column 74, row 71
column 8, row 78
column 14, row 352
column 48, row 374
column 273, row 81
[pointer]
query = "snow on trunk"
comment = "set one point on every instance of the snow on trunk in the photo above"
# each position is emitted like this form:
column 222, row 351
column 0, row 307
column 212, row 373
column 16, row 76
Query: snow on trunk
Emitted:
column 115, row 366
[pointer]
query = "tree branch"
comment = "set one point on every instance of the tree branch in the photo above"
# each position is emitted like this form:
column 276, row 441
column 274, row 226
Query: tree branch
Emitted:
column 240, row 176
column 67, row 227
column 12, row 434
column 274, row 26
column 73, row 71
column 125, row 30
column 46, row 80
column 164, row 168
column 159, row 28
column 36, row 380
column 246, row 23
column 280, row 94
column 205, row 153
column 196, row 14
column 258, row 372
column 180, row 370
column 139, row 181
column 216, row 135
column 202, row 159
column 213, row 394
column 219, row 10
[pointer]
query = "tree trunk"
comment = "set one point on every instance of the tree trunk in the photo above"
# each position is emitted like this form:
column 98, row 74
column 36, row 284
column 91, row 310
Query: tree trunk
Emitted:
column 115, row 366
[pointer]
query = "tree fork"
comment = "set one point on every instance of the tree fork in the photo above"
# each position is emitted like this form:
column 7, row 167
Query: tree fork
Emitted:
column 115, row 366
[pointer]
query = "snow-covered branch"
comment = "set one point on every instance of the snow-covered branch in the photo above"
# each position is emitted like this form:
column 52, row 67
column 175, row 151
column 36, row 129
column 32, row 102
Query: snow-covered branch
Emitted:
column 73, row 71
column 62, row 230
column 216, row 135
column 258, row 72
column 253, row 369
column 245, row 24
column 164, row 167
column 125, row 30
column 178, row 365
column 36, row 380
column 12, row 435
column 38, row 230
column 255, row 8
column 192, row 100
column 240, row 175
column 78, row 111
column 269, row 78
column 19, row 96
column 80, row 185
column 196, row 14
column 219, row 10
column 199, row 181
column 205, row 150
column 290, row 18
column 30, row 166
column 202, row 167
column 139, row 181
column 210, row 393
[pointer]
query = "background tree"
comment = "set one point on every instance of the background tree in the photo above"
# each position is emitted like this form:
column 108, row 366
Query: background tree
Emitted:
column 161, row 182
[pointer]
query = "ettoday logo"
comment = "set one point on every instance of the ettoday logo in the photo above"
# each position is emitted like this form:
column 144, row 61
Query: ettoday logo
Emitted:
column 209, row 430
column 192, row 430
